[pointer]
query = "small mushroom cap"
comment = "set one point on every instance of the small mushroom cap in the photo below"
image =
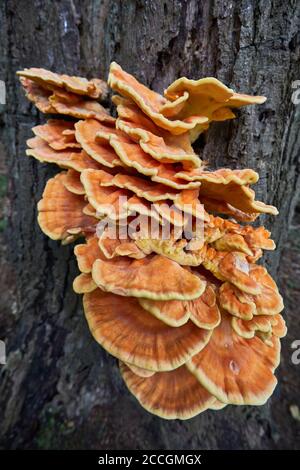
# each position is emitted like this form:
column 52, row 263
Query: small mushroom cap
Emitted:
column 37, row 95
column 234, row 369
column 55, row 100
column 90, row 210
column 154, row 277
column 139, row 371
column 233, row 242
column 188, row 202
column 79, row 107
column 87, row 253
column 230, row 186
column 222, row 207
column 67, row 158
column 236, row 302
column 142, row 187
column 106, row 200
column 279, row 328
column 171, row 395
column 172, row 312
column 203, row 87
column 148, row 101
column 234, row 267
column 102, row 152
column 60, row 211
column 266, row 302
column 111, row 245
column 94, row 88
column 57, row 133
column 161, row 145
column 72, row 182
column 266, row 324
column 207, row 97
column 133, row 156
column 131, row 334
column 84, row 284
column 202, row 311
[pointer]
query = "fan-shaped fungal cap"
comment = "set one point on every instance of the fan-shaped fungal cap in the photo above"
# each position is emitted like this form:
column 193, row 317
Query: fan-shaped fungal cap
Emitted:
column 37, row 95
column 266, row 302
column 236, row 302
column 67, row 158
column 207, row 97
column 79, row 107
column 112, row 246
column 188, row 201
column 148, row 101
column 222, row 207
column 230, row 186
column 94, row 88
column 235, row 268
column 279, row 328
column 142, row 187
column 139, row 371
column 106, row 200
column 261, row 323
column 161, row 145
column 61, row 211
column 87, row 253
column 72, row 182
column 102, row 152
column 130, row 333
column 172, row 312
column 57, row 133
column 232, row 242
column 83, row 284
column 153, row 277
column 203, row 311
column 234, row 369
column 171, row 395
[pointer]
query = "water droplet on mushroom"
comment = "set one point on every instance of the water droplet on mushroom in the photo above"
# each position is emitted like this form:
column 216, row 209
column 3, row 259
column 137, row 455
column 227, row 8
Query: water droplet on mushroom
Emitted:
column 234, row 367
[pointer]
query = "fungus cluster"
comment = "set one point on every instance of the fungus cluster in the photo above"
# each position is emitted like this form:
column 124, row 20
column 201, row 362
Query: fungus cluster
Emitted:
column 168, row 262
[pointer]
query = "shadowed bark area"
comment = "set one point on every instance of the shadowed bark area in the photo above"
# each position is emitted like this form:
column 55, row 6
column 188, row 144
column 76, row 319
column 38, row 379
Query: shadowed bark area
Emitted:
column 59, row 389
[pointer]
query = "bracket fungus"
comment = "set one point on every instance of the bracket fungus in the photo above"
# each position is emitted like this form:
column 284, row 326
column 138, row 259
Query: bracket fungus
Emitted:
column 168, row 256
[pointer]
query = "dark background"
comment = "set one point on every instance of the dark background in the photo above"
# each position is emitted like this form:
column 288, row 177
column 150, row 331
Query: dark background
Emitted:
column 59, row 390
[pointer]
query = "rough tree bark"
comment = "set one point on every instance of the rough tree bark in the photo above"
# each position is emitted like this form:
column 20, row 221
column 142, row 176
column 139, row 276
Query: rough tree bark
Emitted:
column 59, row 389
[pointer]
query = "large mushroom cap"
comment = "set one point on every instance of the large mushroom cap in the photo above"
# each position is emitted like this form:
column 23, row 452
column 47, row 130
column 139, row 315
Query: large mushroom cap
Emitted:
column 234, row 369
column 61, row 211
column 153, row 277
column 176, row 394
column 133, row 335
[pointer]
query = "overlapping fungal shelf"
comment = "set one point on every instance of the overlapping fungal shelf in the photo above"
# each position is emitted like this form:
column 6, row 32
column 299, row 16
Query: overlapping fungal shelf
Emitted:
column 192, row 318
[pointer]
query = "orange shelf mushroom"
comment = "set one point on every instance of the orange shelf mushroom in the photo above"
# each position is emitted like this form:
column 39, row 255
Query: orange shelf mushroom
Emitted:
column 167, row 263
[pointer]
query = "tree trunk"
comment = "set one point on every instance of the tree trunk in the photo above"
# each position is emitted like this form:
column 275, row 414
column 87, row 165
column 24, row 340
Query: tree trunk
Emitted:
column 59, row 389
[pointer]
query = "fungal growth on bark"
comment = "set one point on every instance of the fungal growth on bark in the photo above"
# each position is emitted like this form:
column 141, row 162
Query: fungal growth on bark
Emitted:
column 167, row 256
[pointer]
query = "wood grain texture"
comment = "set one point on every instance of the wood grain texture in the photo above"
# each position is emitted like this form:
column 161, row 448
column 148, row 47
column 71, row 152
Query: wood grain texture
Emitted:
column 59, row 389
